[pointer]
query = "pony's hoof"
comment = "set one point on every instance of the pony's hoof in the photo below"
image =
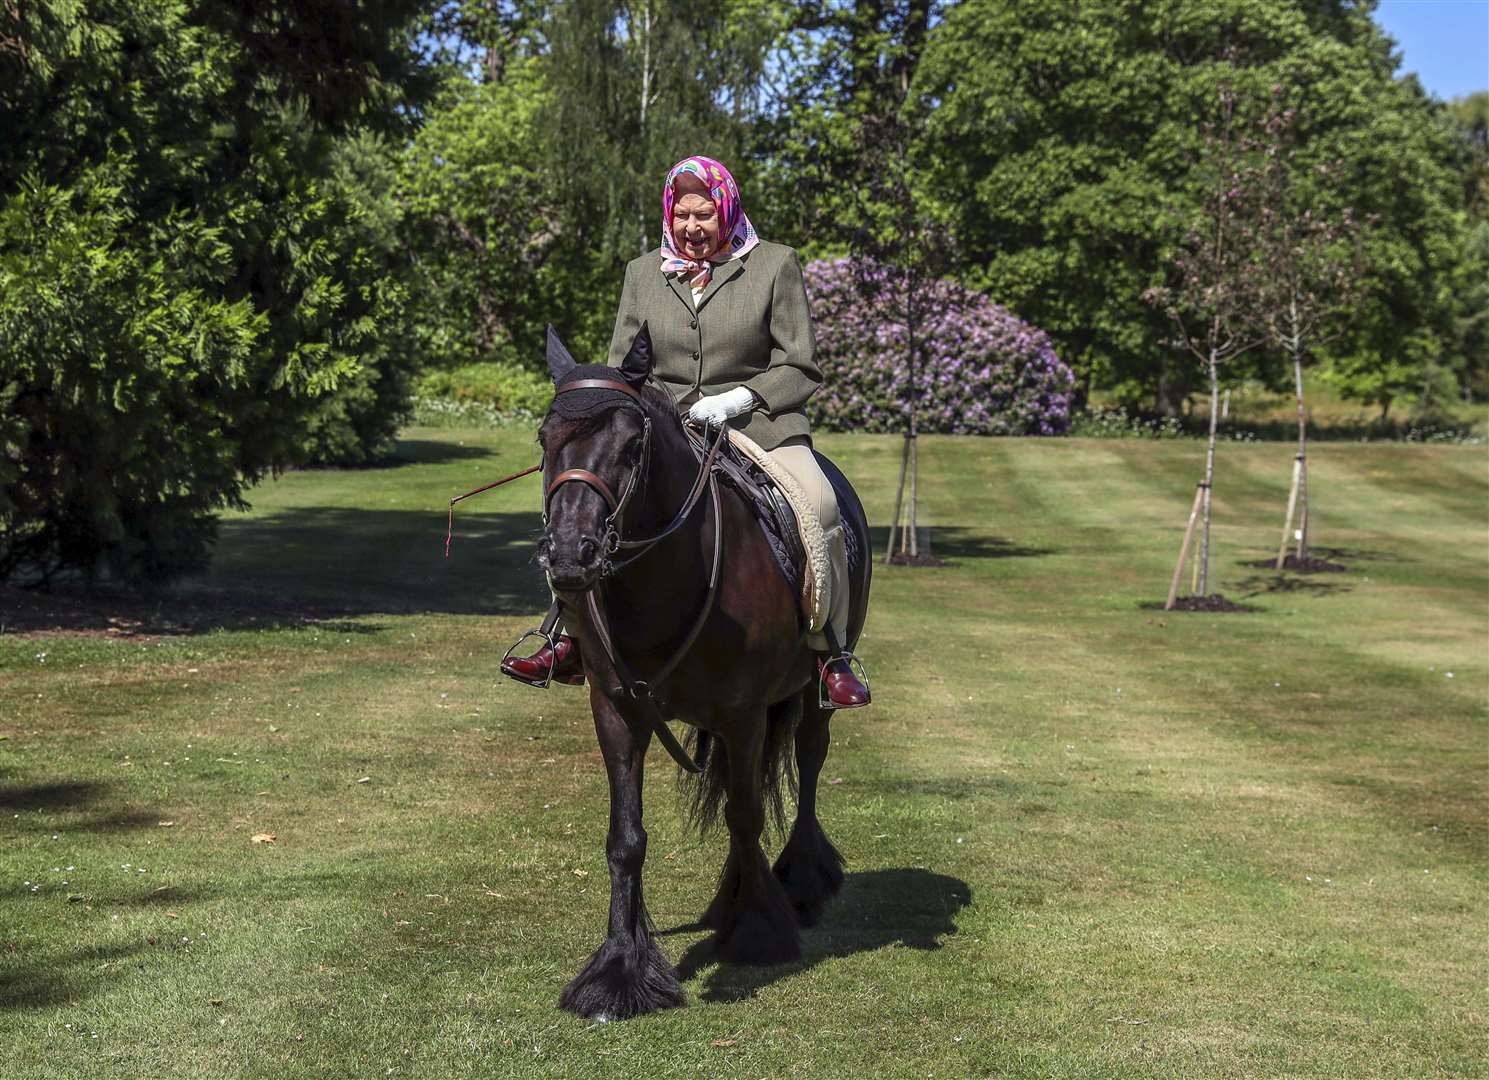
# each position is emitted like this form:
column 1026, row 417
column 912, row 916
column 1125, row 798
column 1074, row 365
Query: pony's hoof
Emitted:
column 622, row 980
column 810, row 870
column 761, row 937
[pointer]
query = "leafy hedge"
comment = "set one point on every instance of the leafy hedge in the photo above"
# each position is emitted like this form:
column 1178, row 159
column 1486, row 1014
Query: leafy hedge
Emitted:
column 985, row 371
column 506, row 388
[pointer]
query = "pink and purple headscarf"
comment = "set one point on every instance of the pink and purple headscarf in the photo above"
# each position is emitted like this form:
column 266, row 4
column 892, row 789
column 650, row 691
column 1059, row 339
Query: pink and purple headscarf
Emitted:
column 734, row 226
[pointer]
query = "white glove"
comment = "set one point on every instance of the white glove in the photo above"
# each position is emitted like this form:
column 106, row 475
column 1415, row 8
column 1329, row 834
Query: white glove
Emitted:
column 717, row 408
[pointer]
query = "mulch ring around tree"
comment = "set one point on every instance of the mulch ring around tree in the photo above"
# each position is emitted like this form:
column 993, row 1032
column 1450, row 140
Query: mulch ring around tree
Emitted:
column 1215, row 602
column 916, row 560
column 1310, row 564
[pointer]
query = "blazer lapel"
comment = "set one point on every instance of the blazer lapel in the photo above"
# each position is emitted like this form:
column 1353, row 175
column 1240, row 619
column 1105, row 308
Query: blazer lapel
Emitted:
column 679, row 290
column 724, row 274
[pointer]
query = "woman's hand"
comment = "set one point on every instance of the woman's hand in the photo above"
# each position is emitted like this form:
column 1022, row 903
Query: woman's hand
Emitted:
column 717, row 408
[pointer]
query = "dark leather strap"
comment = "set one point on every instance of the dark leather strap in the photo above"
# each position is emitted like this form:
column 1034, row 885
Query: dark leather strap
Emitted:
column 584, row 476
column 600, row 384
column 705, row 472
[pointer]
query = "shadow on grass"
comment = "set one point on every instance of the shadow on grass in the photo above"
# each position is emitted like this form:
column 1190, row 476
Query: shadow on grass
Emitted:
column 909, row 907
column 961, row 542
column 328, row 566
column 411, row 452
column 1288, row 584
column 58, row 979
column 58, row 795
column 79, row 799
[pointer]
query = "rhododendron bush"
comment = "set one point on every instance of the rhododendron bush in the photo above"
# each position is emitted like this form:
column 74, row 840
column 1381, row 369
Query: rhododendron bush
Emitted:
column 983, row 370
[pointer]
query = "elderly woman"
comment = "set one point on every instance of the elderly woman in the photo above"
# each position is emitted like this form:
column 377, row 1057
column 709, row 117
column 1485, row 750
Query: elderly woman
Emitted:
column 732, row 336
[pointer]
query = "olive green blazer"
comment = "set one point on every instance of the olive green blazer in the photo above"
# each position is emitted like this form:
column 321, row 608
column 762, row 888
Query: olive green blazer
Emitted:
column 751, row 328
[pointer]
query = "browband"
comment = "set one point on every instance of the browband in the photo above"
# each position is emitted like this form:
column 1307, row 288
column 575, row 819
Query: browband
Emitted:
column 599, row 384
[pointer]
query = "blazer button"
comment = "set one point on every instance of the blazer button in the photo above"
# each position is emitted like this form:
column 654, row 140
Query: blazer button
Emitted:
column 695, row 355
column 693, row 325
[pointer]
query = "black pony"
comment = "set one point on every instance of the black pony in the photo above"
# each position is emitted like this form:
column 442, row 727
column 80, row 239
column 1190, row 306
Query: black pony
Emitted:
column 699, row 626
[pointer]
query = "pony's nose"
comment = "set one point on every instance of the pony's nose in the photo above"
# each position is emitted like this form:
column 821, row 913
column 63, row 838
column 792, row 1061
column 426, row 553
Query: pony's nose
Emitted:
column 571, row 565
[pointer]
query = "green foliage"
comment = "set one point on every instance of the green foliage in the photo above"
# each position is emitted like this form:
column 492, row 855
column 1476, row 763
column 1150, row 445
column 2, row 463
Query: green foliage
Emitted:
column 1473, row 319
column 537, row 173
column 358, row 421
column 180, row 274
column 509, row 389
column 1471, row 117
column 1062, row 139
column 482, row 216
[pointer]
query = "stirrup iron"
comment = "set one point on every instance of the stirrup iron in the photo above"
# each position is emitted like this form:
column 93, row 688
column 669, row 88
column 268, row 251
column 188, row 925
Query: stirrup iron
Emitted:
column 551, row 637
column 855, row 665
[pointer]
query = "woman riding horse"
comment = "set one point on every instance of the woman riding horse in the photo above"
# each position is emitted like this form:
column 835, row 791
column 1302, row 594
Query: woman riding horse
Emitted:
column 732, row 338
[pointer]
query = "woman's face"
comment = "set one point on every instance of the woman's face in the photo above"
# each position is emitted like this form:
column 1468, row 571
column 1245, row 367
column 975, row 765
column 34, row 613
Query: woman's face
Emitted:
column 695, row 221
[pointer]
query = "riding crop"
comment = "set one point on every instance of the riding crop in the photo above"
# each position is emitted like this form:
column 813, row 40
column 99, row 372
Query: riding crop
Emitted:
column 450, row 525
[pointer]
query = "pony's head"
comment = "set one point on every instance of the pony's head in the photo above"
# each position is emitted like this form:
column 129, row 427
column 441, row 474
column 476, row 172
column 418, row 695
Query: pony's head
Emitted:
column 597, row 440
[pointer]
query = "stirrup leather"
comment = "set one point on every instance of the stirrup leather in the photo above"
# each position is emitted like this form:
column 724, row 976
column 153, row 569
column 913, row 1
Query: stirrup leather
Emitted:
column 855, row 665
column 551, row 639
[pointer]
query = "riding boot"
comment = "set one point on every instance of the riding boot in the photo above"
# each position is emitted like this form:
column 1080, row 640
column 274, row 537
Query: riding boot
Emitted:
column 844, row 689
column 556, row 662
column 839, row 685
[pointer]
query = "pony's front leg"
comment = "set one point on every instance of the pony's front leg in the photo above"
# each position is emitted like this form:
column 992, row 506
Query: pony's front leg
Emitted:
column 628, row 975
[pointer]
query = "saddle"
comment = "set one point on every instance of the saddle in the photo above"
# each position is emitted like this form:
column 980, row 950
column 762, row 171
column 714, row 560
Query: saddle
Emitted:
column 743, row 466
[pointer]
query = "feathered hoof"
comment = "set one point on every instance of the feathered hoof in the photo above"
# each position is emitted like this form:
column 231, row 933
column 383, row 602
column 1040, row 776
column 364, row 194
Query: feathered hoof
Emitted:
column 810, row 870
column 761, row 935
column 621, row 980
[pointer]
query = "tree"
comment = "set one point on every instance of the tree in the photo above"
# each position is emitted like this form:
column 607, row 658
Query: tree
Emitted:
column 1217, row 298
column 1471, row 116
column 1063, row 132
column 483, row 216
column 538, row 172
column 1313, row 264
column 180, row 276
column 852, row 121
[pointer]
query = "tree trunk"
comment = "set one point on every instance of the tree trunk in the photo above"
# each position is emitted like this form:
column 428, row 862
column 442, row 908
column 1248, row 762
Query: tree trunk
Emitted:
column 1302, row 453
column 1204, row 544
column 910, row 338
column 645, row 101
column 914, row 470
column 1171, row 394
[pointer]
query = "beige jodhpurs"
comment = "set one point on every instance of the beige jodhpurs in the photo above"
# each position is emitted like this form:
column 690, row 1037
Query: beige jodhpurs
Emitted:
column 795, row 456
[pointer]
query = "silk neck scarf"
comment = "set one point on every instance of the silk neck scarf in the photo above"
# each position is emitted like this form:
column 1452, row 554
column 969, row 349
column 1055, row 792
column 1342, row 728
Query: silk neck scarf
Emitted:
column 734, row 226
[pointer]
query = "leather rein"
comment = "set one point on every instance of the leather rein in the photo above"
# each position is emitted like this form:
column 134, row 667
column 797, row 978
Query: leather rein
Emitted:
column 612, row 543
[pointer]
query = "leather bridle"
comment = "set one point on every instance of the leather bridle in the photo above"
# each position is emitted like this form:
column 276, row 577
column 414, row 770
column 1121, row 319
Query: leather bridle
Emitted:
column 612, row 543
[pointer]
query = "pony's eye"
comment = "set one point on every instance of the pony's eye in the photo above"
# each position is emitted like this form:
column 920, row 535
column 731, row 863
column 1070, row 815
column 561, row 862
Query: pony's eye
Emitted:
column 633, row 451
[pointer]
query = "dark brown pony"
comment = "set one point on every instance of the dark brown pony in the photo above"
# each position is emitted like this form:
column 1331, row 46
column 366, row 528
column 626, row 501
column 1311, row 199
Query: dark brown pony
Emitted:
column 747, row 683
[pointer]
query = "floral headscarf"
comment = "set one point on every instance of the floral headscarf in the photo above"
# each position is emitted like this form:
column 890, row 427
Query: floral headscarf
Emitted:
column 734, row 226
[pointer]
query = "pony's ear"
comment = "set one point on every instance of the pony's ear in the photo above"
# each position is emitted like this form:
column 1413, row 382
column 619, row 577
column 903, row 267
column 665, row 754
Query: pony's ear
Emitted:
column 560, row 363
column 637, row 364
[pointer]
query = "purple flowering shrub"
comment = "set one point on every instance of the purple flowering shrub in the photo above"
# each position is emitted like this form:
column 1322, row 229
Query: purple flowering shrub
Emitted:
column 983, row 370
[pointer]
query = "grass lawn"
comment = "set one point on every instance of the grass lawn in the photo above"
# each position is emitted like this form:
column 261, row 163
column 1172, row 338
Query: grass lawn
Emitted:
column 1085, row 838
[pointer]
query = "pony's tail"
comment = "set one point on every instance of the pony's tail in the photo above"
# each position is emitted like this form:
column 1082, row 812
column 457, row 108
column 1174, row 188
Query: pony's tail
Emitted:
column 703, row 793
